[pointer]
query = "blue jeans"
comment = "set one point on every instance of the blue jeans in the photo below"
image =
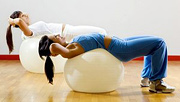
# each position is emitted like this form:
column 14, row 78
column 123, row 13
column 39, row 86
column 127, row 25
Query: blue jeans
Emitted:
column 153, row 48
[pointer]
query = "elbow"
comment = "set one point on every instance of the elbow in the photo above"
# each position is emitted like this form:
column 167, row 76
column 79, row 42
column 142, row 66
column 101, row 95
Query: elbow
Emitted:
column 67, row 55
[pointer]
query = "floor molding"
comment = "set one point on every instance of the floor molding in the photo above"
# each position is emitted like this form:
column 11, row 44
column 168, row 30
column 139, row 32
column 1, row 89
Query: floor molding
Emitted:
column 9, row 57
column 16, row 57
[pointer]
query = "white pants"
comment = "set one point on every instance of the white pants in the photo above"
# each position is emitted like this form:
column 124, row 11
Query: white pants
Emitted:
column 72, row 31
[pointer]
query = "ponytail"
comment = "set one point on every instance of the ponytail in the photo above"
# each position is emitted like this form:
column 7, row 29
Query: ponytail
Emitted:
column 9, row 39
column 49, row 70
column 43, row 50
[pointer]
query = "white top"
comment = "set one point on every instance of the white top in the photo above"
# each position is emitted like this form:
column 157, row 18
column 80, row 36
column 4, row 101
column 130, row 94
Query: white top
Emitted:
column 70, row 31
column 40, row 28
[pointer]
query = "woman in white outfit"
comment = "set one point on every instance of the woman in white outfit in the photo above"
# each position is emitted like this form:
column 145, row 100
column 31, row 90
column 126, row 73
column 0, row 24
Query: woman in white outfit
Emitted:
column 21, row 20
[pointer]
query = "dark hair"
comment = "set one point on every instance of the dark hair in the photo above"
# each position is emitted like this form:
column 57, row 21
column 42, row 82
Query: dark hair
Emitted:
column 9, row 40
column 44, row 45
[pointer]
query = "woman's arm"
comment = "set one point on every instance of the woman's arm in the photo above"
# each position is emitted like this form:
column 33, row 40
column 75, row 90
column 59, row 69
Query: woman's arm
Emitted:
column 22, row 25
column 66, row 52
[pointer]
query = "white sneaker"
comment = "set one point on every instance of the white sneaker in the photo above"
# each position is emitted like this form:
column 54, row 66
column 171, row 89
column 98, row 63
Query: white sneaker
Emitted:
column 145, row 82
column 160, row 86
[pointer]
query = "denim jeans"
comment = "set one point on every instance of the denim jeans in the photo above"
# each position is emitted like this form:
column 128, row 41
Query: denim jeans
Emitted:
column 153, row 48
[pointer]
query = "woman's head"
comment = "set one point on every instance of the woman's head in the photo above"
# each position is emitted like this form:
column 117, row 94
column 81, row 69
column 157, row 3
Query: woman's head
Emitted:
column 16, row 14
column 44, row 45
column 23, row 16
column 46, row 41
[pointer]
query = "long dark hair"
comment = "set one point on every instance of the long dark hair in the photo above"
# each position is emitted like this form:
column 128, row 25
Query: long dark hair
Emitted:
column 9, row 40
column 44, row 45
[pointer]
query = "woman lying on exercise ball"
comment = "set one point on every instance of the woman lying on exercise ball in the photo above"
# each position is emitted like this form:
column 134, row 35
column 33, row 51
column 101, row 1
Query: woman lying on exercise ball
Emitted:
column 153, row 48
column 21, row 20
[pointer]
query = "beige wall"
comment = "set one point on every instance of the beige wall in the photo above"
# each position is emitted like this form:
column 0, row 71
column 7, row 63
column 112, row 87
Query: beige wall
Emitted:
column 122, row 18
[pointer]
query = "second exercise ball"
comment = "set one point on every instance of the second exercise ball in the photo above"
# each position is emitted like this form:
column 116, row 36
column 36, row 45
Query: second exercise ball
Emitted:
column 31, row 61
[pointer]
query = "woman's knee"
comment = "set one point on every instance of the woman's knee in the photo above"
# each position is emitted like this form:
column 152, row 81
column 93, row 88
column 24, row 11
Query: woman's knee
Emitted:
column 161, row 42
column 159, row 39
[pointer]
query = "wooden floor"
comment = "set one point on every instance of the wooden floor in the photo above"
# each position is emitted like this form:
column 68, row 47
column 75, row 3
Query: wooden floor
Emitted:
column 19, row 85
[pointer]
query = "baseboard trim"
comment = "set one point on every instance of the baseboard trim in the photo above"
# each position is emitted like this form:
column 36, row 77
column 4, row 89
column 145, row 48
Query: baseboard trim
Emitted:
column 170, row 58
column 16, row 57
column 9, row 57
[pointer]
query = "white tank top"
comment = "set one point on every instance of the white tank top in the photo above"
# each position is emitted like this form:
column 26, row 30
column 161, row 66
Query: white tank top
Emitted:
column 41, row 28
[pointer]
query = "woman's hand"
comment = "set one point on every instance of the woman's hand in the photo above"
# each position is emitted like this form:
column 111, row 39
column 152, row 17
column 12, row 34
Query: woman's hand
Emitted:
column 13, row 22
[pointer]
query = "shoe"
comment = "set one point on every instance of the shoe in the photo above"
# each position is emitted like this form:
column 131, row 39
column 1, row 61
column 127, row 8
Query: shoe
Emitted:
column 160, row 86
column 144, row 82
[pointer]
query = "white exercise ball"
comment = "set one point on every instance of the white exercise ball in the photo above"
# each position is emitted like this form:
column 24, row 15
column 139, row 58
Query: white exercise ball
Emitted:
column 95, row 71
column 31, row 61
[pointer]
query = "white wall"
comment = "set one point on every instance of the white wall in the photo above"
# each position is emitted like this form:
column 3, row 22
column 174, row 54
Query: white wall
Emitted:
column 122, row 18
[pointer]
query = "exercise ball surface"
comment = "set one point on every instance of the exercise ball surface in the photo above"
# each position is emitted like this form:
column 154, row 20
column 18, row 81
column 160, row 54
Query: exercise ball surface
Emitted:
column 30, row 60
column 95, row 71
